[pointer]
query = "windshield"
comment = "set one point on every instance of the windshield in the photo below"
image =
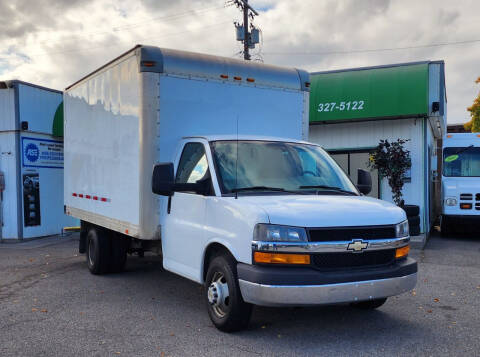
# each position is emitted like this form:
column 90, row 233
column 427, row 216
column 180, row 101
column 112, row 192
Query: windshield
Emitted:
column 277, row 165
column 461, row 162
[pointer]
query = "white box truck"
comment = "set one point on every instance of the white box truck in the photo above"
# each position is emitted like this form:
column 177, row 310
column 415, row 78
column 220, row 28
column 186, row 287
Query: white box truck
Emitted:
column 181, row 154
column 461, row 183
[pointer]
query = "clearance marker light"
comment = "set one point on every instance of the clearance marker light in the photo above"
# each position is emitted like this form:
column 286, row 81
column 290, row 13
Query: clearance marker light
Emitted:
column 251, row 80
column 275, row 258
column 237, row 78
column 224, row 76
column 449, row 136
column 148, row 63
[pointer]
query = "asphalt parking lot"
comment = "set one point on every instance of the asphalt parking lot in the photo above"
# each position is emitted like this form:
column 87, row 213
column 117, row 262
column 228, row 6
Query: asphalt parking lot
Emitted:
column 51, row 305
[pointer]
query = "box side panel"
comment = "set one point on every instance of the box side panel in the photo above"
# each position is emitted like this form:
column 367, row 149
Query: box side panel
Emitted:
column 37, row 106
column 102, row 144
column 200, row 107
column 8, row 165
column 41, row 175
column 7, row 109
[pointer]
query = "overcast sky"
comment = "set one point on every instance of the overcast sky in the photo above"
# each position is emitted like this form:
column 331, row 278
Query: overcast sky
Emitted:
column 55, row 42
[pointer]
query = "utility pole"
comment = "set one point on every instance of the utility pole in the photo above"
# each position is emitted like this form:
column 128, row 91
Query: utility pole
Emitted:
column 246, row 35
column 249, row 38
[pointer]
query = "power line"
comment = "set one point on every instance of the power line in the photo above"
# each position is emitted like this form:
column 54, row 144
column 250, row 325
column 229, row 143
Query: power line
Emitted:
column 126, row 27
column 118, row 42
column 373, row 50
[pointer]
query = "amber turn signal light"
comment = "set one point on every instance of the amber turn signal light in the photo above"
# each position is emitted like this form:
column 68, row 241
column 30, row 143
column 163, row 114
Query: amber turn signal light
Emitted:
column 275, row 258
column 465, row 205
column 402, row 252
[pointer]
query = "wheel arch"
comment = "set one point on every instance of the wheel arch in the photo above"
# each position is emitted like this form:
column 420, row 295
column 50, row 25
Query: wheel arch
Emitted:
column 213, row 249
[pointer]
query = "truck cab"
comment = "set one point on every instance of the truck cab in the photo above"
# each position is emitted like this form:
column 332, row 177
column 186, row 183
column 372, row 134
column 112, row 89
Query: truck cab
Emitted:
column 460, row 182
column 276, row 222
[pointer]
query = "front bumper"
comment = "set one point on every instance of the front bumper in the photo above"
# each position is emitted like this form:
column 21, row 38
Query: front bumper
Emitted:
column 278, row 286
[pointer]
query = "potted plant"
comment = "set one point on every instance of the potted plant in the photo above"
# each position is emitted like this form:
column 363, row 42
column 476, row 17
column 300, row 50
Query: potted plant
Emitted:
column 392, row 160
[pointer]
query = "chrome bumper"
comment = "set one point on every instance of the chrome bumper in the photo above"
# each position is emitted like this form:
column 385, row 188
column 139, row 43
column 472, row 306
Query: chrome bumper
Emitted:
column 298, row 295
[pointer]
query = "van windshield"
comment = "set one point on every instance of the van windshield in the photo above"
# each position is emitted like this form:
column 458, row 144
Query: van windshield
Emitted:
column 277, row 166
column 461, row 161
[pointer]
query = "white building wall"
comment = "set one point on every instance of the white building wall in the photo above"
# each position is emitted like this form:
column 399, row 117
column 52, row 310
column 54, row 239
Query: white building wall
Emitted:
column 8, row 165
column 7, row 109
column 366, row 135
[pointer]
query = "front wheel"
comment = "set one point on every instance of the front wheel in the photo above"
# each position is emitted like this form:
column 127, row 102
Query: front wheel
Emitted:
column 370, row 304
column 225, row 304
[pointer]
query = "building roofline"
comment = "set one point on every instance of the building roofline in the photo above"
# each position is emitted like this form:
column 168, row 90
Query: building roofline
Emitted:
column 13, row 82
column 378, row 67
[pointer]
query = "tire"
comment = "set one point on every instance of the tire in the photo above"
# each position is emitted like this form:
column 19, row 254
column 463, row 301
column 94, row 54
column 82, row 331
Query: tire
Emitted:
column 411, row 210
column 98, row 251
column 118, row 252
column 230, row 313
column 369, row 305
column 444, row 227
column 414, row 231
column 414, row 221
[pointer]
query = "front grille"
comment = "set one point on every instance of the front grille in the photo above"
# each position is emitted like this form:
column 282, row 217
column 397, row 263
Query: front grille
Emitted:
column 477, row 196
column 353, row 260
column 466, row 196
column 333, row 234
column 477, row 206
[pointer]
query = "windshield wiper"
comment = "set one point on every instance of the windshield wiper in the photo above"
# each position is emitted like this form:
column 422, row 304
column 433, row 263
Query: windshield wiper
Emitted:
column 261, row 188
column 464, row 149
column 329, row 188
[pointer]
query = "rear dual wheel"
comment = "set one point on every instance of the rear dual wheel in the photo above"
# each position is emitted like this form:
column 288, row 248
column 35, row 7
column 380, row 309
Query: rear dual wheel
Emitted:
column 106, row 251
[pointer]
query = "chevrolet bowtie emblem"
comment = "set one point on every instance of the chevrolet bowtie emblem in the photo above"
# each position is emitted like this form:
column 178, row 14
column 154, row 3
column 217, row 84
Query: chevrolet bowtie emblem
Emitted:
column 357, row 245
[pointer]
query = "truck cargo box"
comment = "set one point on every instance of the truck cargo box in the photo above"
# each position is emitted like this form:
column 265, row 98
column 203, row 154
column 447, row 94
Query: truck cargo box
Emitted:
column 130, row 114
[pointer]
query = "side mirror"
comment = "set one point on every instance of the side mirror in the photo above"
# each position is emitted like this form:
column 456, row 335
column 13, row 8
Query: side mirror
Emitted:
column 163, row 179
column 364, row 182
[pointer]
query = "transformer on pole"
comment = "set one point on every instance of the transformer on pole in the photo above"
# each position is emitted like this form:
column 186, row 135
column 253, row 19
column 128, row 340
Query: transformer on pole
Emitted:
column 249, row 36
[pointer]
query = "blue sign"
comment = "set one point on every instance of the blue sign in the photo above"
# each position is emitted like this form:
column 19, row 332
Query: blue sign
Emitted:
column 42, row 153
column 32, row 152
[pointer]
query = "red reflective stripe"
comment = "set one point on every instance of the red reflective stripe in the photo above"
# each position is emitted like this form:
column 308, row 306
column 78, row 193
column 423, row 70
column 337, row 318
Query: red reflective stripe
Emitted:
column 88, row 196
column 74, row 194
column 95, row 198
column 103, row 199
column 80, row 195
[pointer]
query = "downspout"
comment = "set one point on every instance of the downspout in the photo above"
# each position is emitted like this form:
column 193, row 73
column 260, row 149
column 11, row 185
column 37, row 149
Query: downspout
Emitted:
column 18, row 160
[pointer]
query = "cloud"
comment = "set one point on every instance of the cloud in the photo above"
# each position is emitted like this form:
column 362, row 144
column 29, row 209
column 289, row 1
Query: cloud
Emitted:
column 56, row 42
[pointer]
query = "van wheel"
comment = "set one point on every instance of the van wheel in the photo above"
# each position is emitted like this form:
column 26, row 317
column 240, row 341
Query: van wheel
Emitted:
column 370, row 304
column 225, row 304
column 444, row 228
column 98, row 251
column 118, row 253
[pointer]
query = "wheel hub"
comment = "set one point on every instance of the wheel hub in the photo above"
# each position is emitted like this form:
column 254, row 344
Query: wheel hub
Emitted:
column 218, row 295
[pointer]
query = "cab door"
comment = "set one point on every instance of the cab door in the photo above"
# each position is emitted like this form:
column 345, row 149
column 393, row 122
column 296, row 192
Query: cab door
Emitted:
column 183, row 230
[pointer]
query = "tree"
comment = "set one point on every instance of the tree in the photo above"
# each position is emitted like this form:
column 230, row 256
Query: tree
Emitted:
column 392, row 161
column 474, row 124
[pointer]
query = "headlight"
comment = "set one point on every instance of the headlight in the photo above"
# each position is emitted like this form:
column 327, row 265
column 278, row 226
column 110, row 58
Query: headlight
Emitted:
column 401, row 230
column 451, row 201
column 271, row 232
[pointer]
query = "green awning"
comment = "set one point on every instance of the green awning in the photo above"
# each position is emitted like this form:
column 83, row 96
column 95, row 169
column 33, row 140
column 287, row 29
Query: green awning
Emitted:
column 370, row 93
column 57, row 127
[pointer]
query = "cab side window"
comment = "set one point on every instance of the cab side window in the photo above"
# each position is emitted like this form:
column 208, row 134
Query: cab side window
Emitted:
column 193, row 167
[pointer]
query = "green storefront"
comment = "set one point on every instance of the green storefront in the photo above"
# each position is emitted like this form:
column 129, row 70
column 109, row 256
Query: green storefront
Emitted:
column 352, row 110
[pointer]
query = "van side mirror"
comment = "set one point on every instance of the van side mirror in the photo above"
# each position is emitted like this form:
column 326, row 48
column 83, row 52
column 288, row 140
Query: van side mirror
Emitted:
column 364, row 181
column 163, row 179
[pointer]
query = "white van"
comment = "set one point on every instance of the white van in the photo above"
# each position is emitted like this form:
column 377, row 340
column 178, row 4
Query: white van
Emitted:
column 461, row 182
column 202, row 159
